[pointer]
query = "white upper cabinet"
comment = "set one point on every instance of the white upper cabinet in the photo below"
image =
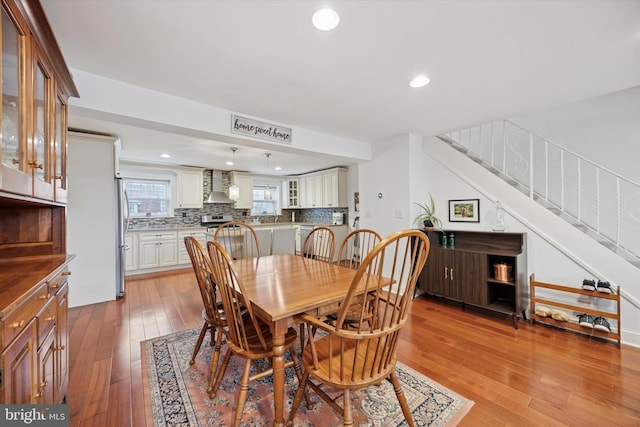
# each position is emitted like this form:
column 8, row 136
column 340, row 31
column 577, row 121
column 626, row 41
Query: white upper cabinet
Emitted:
column 245, row 184
column 326, row 189
column 190, row 188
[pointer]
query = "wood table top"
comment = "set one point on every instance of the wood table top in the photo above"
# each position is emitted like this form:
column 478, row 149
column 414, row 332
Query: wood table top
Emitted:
column 284, row 285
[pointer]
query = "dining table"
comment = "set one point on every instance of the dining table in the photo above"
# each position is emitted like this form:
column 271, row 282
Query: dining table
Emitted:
column 280, row 288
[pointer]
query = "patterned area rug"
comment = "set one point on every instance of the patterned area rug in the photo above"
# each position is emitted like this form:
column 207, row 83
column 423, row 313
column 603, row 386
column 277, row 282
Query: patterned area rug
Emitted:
column 177, row 396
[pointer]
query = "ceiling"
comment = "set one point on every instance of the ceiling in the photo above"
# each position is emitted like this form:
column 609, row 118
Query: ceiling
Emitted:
column 486, row 60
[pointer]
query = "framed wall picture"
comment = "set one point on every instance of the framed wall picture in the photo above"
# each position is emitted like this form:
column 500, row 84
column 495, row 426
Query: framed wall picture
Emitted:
column 467, row 210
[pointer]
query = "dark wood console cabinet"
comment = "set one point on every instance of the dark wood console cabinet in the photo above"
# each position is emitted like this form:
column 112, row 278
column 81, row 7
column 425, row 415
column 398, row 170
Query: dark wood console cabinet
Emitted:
column 466, row 272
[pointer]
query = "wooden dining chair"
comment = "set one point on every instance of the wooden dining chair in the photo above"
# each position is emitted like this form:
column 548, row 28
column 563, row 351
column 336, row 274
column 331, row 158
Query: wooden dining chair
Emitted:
column 320, row 244
column 239, row 239
column 353, row 250
column 247, row 336
column 350, row 359
column 356, row 246
column 212, row 312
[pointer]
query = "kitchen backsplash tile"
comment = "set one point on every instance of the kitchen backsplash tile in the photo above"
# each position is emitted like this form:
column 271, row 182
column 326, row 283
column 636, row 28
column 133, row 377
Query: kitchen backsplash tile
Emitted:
column 191, row 217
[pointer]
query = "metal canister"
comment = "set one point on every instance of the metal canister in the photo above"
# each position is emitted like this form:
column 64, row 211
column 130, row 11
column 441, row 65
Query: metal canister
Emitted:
column 452, row 240
column 443, row 239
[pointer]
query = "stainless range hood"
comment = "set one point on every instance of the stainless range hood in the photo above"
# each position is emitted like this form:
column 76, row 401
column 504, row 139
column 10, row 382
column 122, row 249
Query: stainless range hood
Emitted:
column 217, row 195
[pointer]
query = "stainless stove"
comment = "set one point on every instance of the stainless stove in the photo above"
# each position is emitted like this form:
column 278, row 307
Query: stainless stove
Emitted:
column 214, row 221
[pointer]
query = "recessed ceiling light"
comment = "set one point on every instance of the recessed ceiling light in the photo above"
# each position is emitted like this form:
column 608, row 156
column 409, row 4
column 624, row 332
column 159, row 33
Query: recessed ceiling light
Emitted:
column 165, row 156
column 419, row 81
column 278, row 168
column 326, row 19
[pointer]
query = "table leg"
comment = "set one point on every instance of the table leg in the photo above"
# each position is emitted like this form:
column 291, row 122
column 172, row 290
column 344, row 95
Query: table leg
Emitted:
column 278, row 380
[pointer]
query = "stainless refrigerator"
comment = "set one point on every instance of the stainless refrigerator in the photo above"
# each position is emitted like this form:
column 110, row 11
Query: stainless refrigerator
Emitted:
column 96, row 219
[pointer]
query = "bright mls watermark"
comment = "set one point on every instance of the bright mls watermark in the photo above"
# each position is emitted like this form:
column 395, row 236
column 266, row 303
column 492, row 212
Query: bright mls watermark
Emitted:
column 34, row 415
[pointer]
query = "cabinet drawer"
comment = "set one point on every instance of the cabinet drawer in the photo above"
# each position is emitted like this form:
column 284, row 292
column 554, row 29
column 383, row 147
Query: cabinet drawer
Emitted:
column 17, row 320
column 152, row 237
column 46, row 320
column 55, row 284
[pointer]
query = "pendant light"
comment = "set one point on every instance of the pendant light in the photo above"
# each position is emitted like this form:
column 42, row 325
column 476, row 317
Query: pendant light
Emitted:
column 268, row 194
column 233, row 159
column 234, row 190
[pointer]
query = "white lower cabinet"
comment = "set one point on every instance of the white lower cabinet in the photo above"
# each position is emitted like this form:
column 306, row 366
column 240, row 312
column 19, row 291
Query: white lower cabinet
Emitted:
column 157, row 249
column 131, row 252
column 183, row 255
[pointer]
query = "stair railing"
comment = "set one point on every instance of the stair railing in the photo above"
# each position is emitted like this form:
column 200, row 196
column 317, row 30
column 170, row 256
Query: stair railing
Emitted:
column 587, row 194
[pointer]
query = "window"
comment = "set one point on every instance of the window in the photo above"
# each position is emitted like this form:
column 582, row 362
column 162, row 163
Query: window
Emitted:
column 148, row 197
column 265, row 200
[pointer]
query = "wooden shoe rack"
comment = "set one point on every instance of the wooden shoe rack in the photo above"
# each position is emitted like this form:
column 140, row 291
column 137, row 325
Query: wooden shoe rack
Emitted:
column 556, row 297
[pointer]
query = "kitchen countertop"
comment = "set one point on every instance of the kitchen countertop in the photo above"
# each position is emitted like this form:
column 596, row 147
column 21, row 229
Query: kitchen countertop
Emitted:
column 292, row 224
column 201, row 228
column 170, row 228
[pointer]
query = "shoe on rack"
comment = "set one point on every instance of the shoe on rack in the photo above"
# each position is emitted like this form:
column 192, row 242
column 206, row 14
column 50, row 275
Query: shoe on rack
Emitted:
column 542, row 311
column 586, row 320
column 589, row 285
column 560, row 315
column 605, row 287
column 601, row 324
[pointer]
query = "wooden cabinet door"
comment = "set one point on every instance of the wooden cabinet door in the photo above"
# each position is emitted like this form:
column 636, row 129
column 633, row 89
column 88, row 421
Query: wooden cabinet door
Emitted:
column 470, row 272
column 46, row 384
column 19, row 369
column 62, row 344
column 15, row 173
column 432, row 278
column 59, row 162
column 41, row 151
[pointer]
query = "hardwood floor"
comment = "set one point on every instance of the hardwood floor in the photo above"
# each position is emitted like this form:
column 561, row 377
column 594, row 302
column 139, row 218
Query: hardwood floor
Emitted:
column 532, row 376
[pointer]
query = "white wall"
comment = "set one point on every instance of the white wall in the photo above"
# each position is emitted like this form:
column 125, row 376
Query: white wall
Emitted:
column 605, row 129
column 386, row 174
column 404, row 177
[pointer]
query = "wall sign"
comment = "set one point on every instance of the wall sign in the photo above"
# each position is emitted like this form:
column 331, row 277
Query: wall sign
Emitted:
column 244, row 126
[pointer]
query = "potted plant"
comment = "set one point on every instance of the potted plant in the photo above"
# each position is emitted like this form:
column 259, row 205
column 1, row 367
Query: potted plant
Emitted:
column 428, row 216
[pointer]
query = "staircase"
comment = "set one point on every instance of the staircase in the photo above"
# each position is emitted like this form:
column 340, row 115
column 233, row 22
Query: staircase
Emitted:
column 592, row 198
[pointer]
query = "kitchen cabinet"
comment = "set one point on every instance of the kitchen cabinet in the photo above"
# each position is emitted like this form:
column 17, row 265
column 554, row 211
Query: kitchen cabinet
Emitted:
column 36, row 85
column 244, row 182
column 466, row 272
column 292, row 192
column 157, row 249
column 61, row 376
column 312, row 191
column 34, row 336
column 334, row 190
column 131, row 251
column 183, row 255
column 190, row 189
column 19, row 371
column 35, row 89
column 325, row 189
